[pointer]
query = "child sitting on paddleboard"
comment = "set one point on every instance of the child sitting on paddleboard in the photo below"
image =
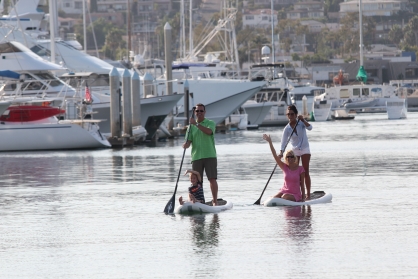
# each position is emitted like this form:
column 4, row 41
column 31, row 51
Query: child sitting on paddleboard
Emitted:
column 294, row 175
column 196, row 189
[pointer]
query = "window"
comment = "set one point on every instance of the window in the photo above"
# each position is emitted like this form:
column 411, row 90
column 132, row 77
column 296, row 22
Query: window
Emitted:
column 249, row 17
column 8, row 47
column 409, row 73
column 356, row 92
column 365, row 92
column 78, row 5
column 344, row 93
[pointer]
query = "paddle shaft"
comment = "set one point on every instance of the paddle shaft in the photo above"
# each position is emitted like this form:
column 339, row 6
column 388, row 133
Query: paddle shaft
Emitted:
column 169, row 208
column 259, row 199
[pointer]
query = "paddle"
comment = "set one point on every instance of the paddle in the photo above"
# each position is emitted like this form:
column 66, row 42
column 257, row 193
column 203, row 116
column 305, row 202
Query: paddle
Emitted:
column 169, row 208
column 259, row 199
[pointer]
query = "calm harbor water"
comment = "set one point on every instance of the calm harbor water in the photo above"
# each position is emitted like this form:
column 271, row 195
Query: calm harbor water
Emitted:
column 98, row 214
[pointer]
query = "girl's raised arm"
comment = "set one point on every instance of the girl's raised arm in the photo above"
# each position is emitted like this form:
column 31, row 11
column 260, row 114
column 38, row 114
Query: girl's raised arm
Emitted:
column 279, row 157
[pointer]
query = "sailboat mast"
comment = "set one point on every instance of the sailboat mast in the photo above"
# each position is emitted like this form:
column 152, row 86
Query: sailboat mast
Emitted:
column 361, row 31
column 183, row 31
column 52, row 14
column 190, row 30
column 84, row 26
column 272, row 33
column 128, row 15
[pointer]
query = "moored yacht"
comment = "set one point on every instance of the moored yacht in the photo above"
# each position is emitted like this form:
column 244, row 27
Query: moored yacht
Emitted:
column 360, row 97
column 49, row 133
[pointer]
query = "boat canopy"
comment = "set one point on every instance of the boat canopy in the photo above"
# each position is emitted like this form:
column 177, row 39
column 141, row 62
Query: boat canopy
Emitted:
column 9, row 75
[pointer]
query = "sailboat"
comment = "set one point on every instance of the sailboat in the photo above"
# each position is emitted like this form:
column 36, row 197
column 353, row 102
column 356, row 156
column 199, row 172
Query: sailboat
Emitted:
column 340, row 99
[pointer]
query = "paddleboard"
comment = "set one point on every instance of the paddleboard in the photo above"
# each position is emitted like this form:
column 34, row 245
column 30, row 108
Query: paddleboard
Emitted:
column 316, row 197
column 197, row 207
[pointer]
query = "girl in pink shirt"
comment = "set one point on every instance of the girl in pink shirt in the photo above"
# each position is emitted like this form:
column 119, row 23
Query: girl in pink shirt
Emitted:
column 294, row 175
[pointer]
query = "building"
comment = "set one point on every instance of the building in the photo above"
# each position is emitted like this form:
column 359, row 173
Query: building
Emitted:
column 308, row 9
column 375, row 7
column 260, row 18
column 71, row 7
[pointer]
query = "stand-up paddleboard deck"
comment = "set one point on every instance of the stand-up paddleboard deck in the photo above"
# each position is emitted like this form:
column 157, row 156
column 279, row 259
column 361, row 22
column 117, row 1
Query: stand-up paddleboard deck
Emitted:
column 316, row 197
column 197, row 207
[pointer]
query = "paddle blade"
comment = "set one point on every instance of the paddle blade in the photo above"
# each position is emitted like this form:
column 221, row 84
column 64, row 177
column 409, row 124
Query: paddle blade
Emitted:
column 257, row 202
column 169, row 208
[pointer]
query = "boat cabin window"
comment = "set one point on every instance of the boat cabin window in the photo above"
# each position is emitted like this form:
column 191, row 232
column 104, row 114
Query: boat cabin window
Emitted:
column 365, row 92
column 41, row 51
column 356, row 92
column 317, row 92
column 92, row 81
column 48, row 78
column 10, row 86
column 344, row 93
column 8, row 48
column 377, row 91
column 28, row 77
column 35, row 85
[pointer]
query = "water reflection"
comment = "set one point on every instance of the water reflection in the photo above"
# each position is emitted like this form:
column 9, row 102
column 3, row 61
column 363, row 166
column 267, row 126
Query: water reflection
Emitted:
column 299, row 226
column 205, row 235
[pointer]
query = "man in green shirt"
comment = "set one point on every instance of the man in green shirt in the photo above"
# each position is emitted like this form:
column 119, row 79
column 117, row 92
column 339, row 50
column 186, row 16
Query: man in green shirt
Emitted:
column 202, row 138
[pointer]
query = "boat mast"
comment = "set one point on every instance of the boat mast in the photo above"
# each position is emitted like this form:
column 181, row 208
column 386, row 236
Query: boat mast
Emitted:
column 84, row 26
column 52, row 15
column 272, row 39
column 361, row 32
column 272, row 33
column 183, row 31
column 190, row 31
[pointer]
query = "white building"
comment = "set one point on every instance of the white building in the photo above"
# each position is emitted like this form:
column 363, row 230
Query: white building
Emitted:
column 307, row 9
column 259, row 18
column 71, row 6
column 375, row 7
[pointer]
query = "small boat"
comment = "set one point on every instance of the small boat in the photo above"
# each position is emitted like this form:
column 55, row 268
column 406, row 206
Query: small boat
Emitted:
column 316, row 197
column 197, row 207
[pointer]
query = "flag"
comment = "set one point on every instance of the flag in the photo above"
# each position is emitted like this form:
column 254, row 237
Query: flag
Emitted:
column 88, row 98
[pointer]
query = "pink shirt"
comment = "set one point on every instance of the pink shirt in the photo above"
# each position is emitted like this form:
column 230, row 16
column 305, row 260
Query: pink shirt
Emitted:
column 291, row 183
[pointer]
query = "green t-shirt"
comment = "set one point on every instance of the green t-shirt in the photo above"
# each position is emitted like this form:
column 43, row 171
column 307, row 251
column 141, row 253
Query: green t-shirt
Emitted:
column 203, row 146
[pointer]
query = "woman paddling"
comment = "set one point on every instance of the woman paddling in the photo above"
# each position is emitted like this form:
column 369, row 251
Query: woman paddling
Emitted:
column 299, row 141
column 294, row 175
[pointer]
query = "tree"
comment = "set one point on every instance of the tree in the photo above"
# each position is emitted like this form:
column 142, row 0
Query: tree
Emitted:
column 101, row 28
column 295, row 57
column 349, row 32
column 396, row 34
column 413, row 23
column 114, row 44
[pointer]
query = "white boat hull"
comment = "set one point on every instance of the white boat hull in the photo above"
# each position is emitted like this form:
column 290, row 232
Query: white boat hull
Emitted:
column 282, row 202
column 27, row 137
column 221, row 97
column 321, row 111
column 190, row 208
column 396, row 109
column 257, row 112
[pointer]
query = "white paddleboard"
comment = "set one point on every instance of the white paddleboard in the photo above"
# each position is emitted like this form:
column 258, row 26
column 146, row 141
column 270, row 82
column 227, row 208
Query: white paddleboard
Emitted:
column 316, row 197
column 197, row 207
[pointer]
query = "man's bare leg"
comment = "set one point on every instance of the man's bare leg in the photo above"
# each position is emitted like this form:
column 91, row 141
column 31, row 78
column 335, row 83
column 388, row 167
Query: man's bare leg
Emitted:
column 214, row 189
